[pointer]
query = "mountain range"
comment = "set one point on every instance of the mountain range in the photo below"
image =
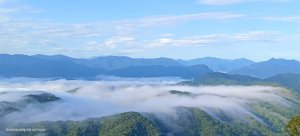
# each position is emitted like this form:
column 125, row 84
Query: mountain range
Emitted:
column 269, row 68
column 113, row 62
column 43, row 66
column 219, row 65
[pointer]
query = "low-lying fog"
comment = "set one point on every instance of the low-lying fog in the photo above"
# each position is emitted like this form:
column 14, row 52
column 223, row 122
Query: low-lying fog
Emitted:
column 86, row 99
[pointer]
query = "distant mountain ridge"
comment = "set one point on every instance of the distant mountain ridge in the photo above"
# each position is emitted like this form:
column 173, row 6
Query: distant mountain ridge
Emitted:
column 43, row 66
column 269, row 68
column 114, row 62
column 119, row 62
column 219, row 65
column 28, row 66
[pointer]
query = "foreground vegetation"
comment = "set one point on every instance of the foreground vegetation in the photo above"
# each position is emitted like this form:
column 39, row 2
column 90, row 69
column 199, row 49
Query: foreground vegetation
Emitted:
column 187, row 122
column 294, row 126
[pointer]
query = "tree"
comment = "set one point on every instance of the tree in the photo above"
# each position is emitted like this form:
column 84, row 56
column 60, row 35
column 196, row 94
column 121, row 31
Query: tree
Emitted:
column 294, row 126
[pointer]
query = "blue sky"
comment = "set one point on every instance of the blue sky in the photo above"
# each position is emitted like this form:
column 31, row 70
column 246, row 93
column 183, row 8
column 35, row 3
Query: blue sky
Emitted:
column 185, row 29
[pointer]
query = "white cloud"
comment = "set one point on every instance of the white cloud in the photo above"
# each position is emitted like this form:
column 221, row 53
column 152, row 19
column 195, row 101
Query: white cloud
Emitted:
column 115, row 41
column 2, row 1
column 219, row 2
column 217, row 39
column 167, row 35
column 188, row 41
column 92, row 46
column 282, row 18
column 31, row 37
column 263, row 36
column 165, row 20
column 122, row 36
column 232, row 2
column 101, row 98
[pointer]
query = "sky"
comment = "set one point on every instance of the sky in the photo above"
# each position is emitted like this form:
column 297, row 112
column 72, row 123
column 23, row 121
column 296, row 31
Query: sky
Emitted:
column 181, row 29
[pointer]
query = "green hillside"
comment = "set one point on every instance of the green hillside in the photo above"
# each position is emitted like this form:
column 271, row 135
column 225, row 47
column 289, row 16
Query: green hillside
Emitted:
column 275, row 117
column 289, row 81
column 294, row 126
column 124, row 124
column 187, row 122
column 128, row 124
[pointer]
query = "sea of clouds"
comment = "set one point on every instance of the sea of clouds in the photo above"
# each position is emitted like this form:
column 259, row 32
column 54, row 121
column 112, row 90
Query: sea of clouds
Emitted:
column 86, row 99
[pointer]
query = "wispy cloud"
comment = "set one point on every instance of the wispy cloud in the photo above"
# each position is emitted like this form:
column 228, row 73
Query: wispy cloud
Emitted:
column 119, row 36
column 26, row 35
column 164, row 20
column 115, row 41
column 215, row 39
column 219, row 2
column 232, row 2
column 262, row 36
column 283, row 18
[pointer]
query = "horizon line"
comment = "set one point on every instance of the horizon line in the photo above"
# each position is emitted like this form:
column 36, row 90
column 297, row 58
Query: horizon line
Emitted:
column 177, row 59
